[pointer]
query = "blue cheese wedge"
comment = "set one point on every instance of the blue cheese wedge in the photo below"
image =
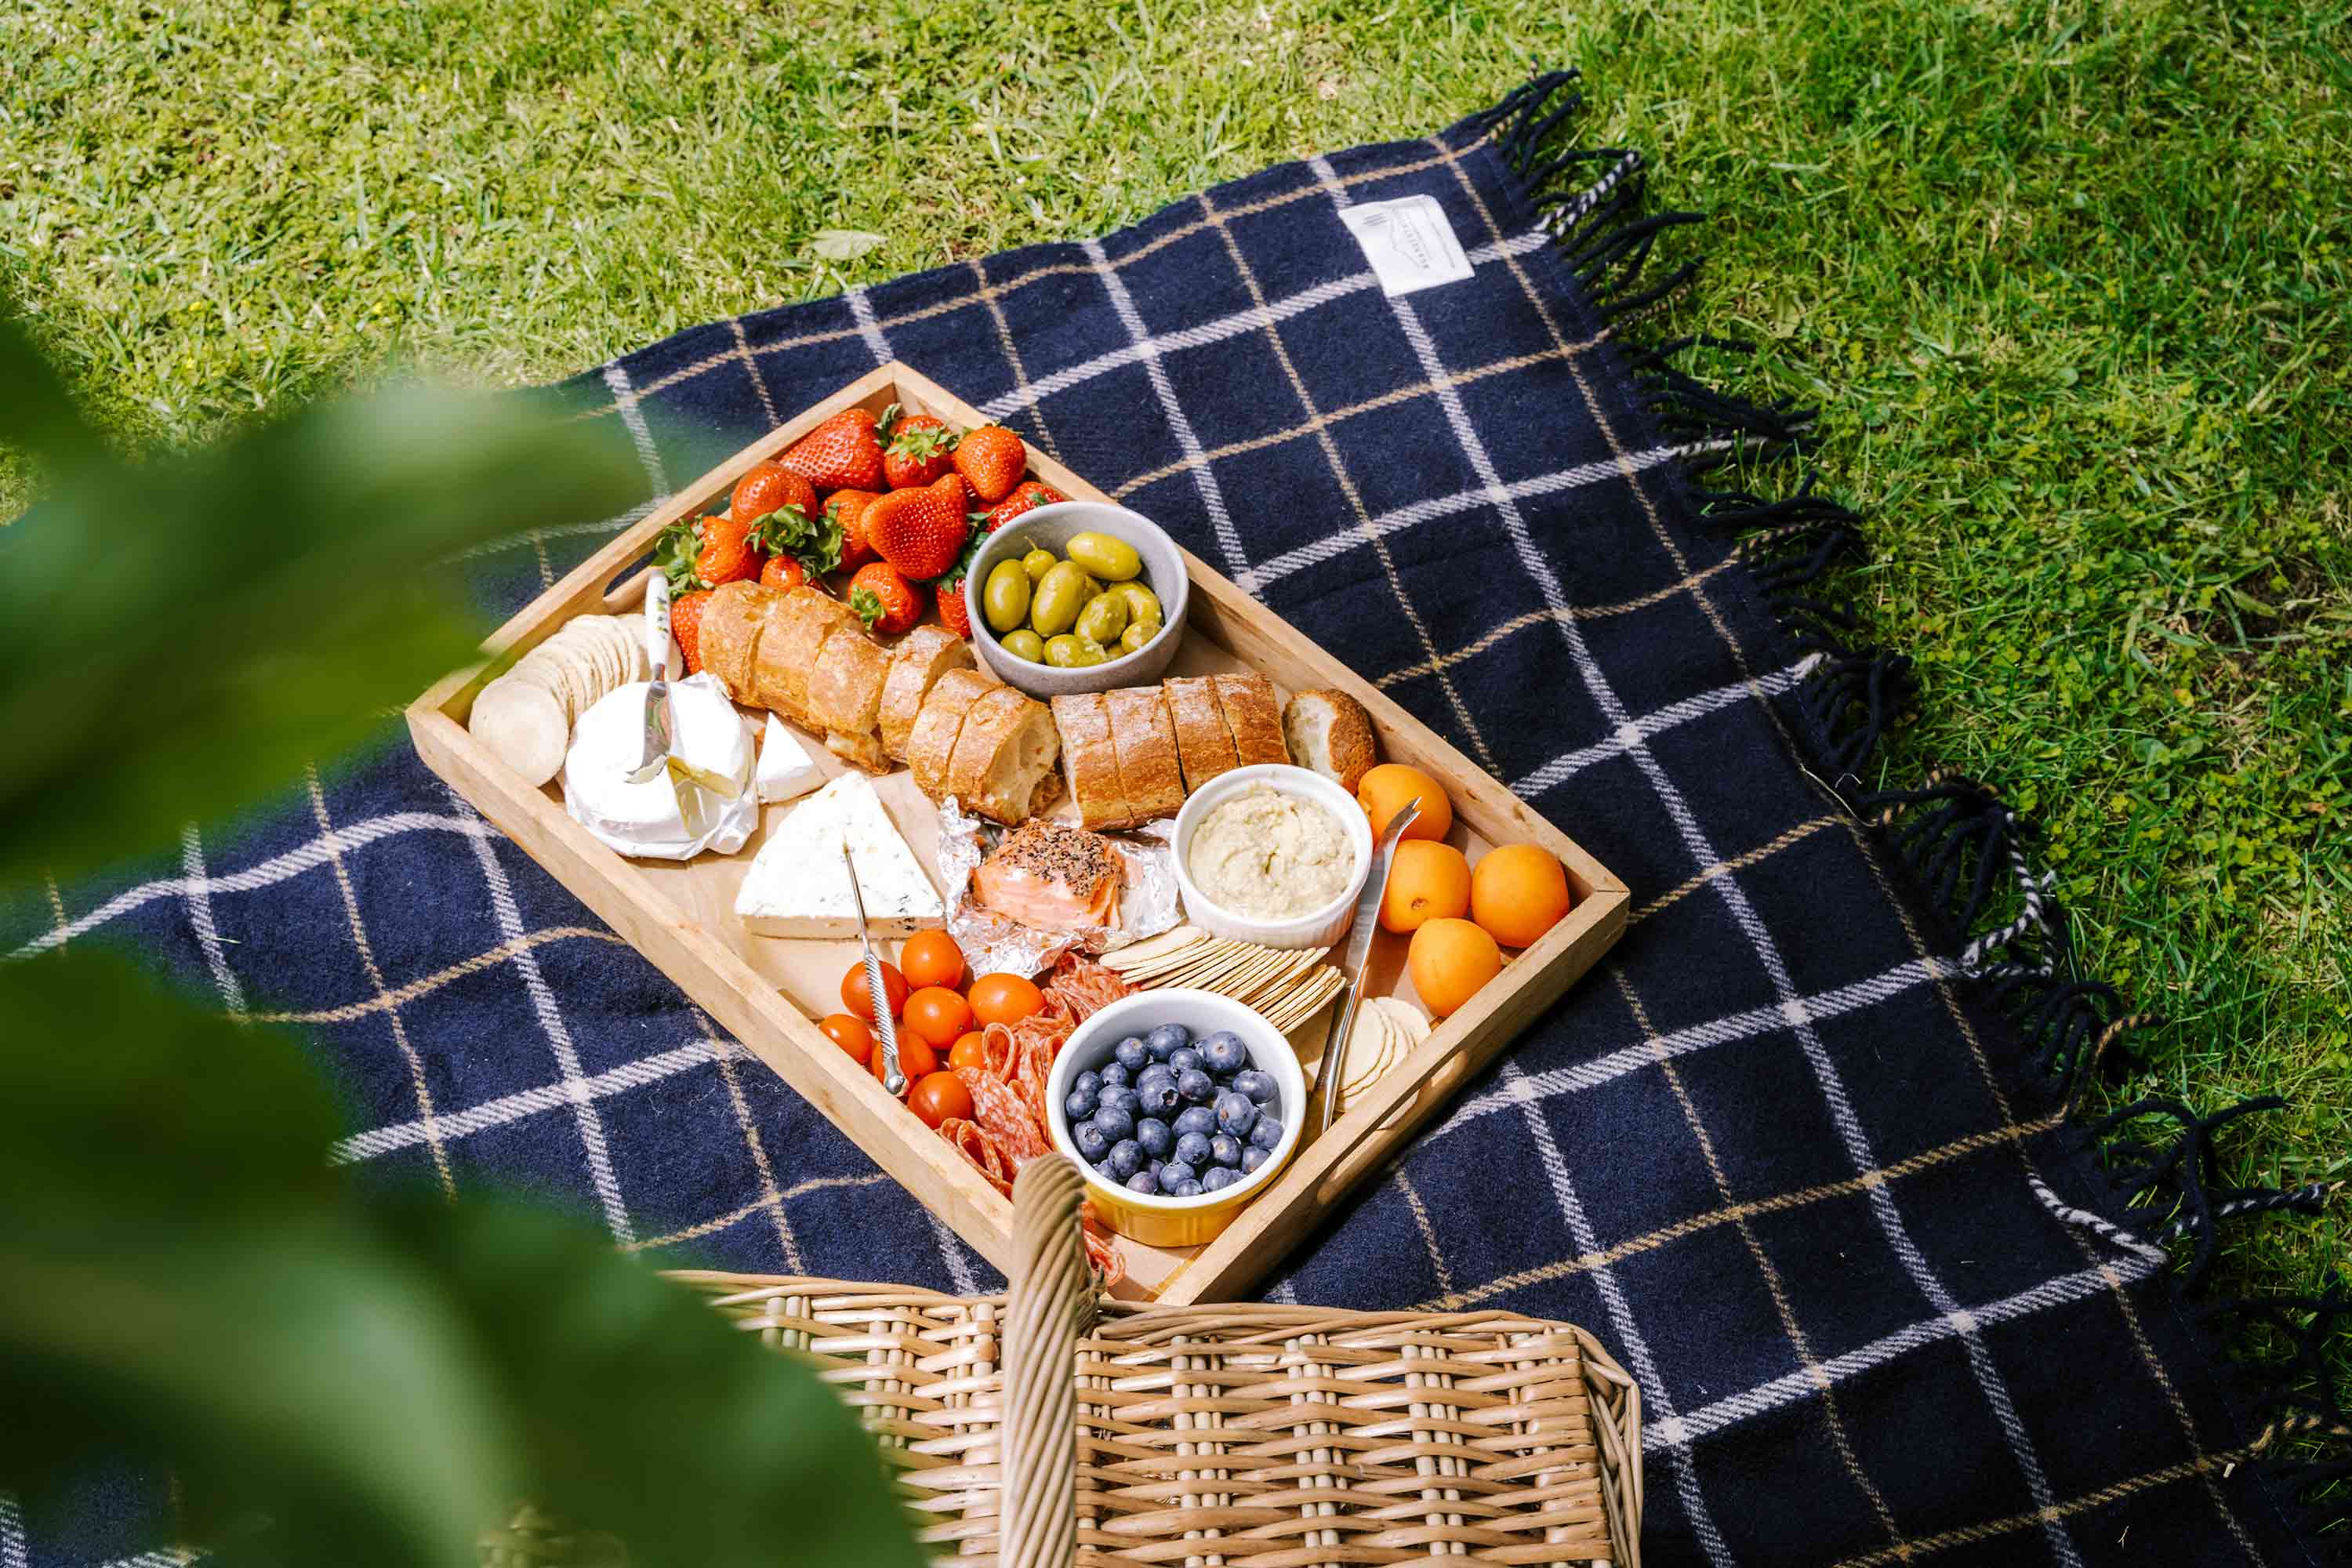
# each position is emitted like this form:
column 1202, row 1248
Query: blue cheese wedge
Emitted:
column 797, row 886
column 786, row 769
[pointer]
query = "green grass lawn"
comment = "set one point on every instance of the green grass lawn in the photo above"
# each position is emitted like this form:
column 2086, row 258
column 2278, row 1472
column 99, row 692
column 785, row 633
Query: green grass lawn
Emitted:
column 2068, row 279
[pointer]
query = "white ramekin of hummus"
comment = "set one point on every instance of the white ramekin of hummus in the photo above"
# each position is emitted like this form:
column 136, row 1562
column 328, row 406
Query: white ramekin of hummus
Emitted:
column 1272, row 854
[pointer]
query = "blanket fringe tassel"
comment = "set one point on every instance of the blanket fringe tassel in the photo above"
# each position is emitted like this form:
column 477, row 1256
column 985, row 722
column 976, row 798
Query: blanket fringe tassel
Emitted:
column 1970, row 854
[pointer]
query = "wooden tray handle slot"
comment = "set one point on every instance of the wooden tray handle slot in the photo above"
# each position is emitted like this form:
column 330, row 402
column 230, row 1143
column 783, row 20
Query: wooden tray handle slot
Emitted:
column 1050, row 1305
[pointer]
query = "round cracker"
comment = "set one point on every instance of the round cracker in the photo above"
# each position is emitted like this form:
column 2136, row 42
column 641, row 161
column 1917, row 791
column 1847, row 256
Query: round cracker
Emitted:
column 523, row 726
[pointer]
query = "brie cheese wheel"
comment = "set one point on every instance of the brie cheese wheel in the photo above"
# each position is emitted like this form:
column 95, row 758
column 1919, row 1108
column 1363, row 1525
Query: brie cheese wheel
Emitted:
column 700, row 799
column 798, row 886
column 785, row 769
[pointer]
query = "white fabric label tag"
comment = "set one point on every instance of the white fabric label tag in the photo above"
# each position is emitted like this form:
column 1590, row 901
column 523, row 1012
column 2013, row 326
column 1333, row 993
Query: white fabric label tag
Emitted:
column 1409, row 243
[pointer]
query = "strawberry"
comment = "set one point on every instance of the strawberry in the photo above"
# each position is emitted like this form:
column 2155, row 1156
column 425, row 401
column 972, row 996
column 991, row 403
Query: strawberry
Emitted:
column 1024, row 497
column 847, row 508
column 954, row 614
column 783, row 572
column 706, row 551
column 815, row 542
column 921, row 532
column 991, row 461
column 686, row 626
column 842, row 453
column 770, row 488
column 884, row 600
column 921, row 450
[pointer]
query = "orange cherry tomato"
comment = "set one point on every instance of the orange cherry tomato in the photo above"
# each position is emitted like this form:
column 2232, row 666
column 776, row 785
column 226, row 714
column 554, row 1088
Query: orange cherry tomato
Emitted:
column 932, row 958
column 968, row 1051
column 938, row 1095
column 1005, row 999
column 916, row 1059
column 850, row 1034
column 852, row 990
column 938, row 1014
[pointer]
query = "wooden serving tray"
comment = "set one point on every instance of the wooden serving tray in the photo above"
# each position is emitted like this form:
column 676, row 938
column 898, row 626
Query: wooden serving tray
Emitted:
column 768, row 991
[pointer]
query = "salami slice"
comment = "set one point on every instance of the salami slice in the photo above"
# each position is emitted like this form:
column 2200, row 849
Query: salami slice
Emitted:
column 1003, row 1116
column 1085, row 987
column 971, row 1141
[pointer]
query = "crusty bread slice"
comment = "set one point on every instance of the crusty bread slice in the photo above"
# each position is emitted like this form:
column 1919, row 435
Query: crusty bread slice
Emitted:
column 732, row 623
column 786, row 655
column 862, row 751
column 921, row 657
column 1331, row 732
column 1089, row 760
column 1253, row 717
column 1204, row 747
column 845, row 686
column 931, row 745
column 1145, row 739
column 1006, row 747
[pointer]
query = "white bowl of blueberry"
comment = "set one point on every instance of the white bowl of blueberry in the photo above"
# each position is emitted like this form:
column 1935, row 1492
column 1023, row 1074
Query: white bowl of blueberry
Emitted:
column 1180, row 1107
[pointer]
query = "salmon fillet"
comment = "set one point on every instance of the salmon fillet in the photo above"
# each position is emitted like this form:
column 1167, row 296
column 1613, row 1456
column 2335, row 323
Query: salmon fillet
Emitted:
column 1050, row 875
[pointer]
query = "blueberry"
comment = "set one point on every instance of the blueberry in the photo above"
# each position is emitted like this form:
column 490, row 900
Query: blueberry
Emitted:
column 1126, row 1158
column 1167, row 1040
column 1195, row 1086
column 1252, row 1157
column 1196, row 1118
column 1264, row 1133
column 1158, row 1072
column 1120, row 1097
column 1186, row 1190
column 1092, row 1141
column 1160, row 1099
column 1114, row 1122
column 1130, row 1054
column 1087, row 1082
column 1225, row 1149
column 1235, row 1112
column 1143, row 1182
column 1223, row 1051
column 1258, row 1086
column 1156, row 1137
column 1174, row 1173
column 1192, row 1149
column 1080, row 1105
column 1219, row 1177
column 1178, row 1060
column 1113, row 1076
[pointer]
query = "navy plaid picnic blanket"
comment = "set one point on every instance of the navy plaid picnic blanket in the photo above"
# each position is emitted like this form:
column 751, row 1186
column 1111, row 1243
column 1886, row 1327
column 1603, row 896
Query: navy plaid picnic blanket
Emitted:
column 1802, row 1152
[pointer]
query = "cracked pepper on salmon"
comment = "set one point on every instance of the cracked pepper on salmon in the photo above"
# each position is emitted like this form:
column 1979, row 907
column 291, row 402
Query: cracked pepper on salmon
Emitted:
column 1050, row 875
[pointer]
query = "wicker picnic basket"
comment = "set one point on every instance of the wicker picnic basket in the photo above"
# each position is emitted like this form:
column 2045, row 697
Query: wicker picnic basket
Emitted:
column 1052, row 1427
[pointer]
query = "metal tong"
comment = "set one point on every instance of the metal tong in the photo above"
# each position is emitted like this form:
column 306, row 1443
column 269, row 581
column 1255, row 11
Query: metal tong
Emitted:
column 876, row 997
column 1333, row 1073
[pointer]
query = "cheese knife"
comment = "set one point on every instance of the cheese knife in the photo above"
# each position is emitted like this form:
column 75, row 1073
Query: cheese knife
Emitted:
column 876, row 997
column 1352, row 959
column 661, row 718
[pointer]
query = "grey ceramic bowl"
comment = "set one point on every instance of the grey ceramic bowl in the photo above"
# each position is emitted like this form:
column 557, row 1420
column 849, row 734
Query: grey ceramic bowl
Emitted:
column 1052, row 527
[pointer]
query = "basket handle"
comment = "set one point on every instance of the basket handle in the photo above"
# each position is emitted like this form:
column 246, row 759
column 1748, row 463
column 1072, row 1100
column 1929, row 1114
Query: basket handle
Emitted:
column 1051, row 1303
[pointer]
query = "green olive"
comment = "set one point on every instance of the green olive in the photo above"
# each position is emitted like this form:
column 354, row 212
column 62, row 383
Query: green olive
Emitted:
column 1061, row 595
column 1142, row 604
column 1005, row 596
column 1137, row 633
column 1103, row 619
column 1070, row 651
column 1024, row 644
column 1112, row 560
column 1037, row 562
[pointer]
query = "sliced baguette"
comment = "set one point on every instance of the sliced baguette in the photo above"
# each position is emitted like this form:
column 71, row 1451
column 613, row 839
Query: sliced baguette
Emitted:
column 1253, row 717
column 786, row 655
column 732, row 623
column 1145, row 739
column 931, row 745
column 921, row 657
column 1204, row 747
column 1003, row 755
column 845, row 685
column 1331, row 732
column 1090, row 762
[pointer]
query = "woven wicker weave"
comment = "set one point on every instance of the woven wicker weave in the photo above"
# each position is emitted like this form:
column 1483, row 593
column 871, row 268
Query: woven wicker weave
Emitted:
column 1259, row 1437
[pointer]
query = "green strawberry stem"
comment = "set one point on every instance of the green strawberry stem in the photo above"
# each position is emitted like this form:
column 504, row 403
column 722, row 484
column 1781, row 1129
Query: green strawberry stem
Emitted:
column 815, row 542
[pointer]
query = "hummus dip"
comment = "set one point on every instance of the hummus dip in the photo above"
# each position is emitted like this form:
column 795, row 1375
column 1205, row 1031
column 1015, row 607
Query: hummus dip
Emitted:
column 1270, row 855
